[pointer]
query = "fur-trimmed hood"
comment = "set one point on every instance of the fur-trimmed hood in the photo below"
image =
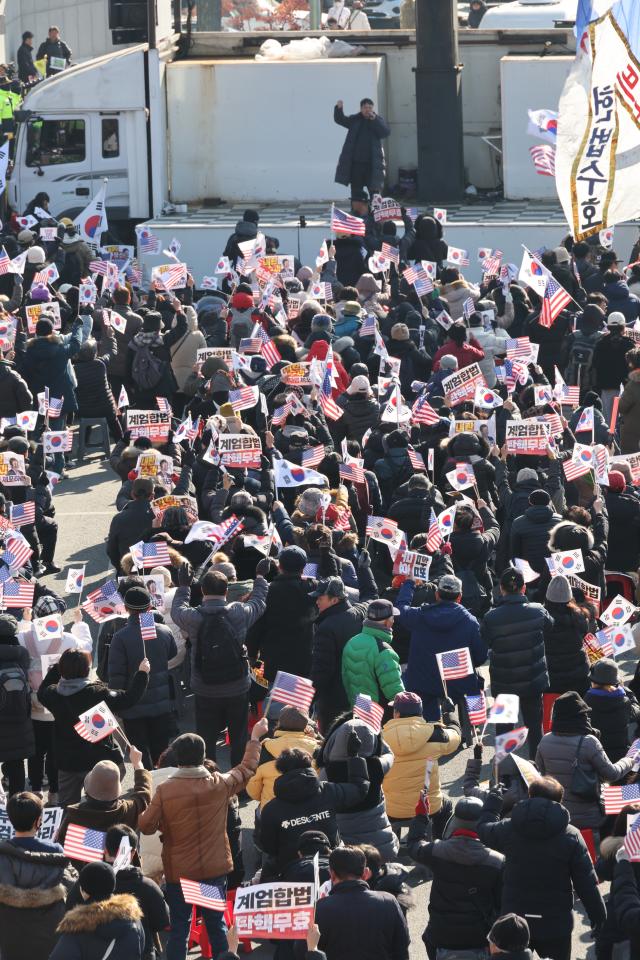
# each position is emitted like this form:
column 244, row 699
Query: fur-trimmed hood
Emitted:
column 87, row 917
column 567, row 535
column 31, row 897
column 31, row 878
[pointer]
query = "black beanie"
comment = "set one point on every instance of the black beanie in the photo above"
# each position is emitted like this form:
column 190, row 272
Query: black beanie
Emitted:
column 137, row 598
column 539, row 498
column 98, row 880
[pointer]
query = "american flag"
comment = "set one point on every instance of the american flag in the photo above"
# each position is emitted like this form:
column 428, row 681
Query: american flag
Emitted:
column 16, row 552
column 5, row 260
column 147, row 625
column 313, row 456
column 96, row 723
column 575, row 468
column 555, row 300
column 174, row 276
column 416, row 460
column 518, row 349
column 570, row 395
column 423, row 412
column 544, row 159
column 434, row 536
column 603, row 641
column 148, row 242
column 491, row 266
column 225, row 530
column 477, row 709
column 23, row 514
column 99, row 267
column 342, row 222
column 455, row 664
column 512, row 372
column 615, row 798
column 368, row 328
column 205, row 895
column 18, row 593
column 391, row 253
column 329, row 407
column 82, row 843
column 344, row 520
column 48, row 405
column 281, row 414
column 163, row 405
column 418, row 277
column 154, row 554
column 293, row 690
column 632, row 839
column 105, row 592
column 468, row 308
column 269, row 350
column 366, row 709
column 250, row 345
column 244, row 398
column 351, row 471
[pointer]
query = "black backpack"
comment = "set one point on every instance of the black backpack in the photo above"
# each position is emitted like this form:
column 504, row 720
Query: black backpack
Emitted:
column 220, row 656
column 147, row 369
column 15, row 694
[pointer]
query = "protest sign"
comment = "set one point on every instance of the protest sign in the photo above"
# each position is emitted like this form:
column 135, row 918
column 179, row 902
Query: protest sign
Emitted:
column 34, row 311
column 12, row 470
column 152, row 463
column 274, row 911
column 187, row 503
column 296, row 375
column 485, row 428
column 51, row 819
column 461, row 385
column 527, row 437
column 409, row 563
column 386, row 208
column 591, row 592
column 223, row 353
column 149, row 423
column 240, row 450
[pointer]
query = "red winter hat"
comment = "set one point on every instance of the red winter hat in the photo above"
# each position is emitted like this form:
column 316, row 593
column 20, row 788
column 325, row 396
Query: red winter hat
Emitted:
column 617, row 483
column 242, row 301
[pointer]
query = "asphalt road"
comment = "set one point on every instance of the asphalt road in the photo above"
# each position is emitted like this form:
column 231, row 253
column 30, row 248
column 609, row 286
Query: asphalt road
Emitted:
column 85, row 503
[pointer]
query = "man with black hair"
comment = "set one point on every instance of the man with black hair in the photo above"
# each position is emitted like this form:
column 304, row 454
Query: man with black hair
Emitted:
column 362, row 162
column 357, row 923
column 133, row 523
column 217, row 629
column 514, row 635
column 32, row 883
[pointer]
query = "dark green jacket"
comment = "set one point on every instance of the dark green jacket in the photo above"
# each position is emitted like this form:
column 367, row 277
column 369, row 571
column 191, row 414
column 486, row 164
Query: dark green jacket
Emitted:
column 371, row 666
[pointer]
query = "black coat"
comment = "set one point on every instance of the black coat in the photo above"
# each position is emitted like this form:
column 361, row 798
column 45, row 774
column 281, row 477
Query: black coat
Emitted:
column 133, row 523
column 412, row 513
column 72, row 751
column 546, row 860
column 624, row 527
column 609, row 360
column 95, row 398
column 357, row 922
column 358, row 125
column 514, row 633
column 16, row 736
column 284, row 633
column 626, row 900
column 465, row 893
column 530, row 536
column 332, row 629
column 350, row 262
column 359, row 413
column 415, row 363
column 567, row 661
column 472, row 550
column 126, row 651
column 15, row 396
column 303, row 802
column 612, row 712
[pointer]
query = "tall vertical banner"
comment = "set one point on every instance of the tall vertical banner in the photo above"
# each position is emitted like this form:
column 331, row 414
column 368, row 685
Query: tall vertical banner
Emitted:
column 598, row 153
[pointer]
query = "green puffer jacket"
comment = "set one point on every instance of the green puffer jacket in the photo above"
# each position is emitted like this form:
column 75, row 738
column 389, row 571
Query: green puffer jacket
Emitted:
column 369, row 665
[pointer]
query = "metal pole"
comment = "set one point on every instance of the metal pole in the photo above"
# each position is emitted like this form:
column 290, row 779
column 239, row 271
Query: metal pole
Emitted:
column 439, row 102
column 315, row 14
column 151, row 24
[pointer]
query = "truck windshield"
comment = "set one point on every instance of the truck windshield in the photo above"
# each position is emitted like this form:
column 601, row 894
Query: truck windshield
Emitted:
column 55, row 141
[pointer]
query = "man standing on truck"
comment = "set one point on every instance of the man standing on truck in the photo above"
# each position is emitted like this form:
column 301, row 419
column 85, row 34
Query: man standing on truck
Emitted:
column 361, row 162
column 27, row 71
column 55, row 50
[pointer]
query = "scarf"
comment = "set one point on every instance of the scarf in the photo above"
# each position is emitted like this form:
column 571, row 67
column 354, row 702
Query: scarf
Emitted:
column 152, row 338
column 67, row 688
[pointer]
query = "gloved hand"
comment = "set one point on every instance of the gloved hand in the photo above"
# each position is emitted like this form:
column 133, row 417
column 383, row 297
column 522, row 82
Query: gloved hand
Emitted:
column 477, row 751
column 445, row 548
column 265, row 567
column 364, row 560
column 185, row 574
column 188, row 456
column 422, row 806
column 353, row 744
column 622, row 854
column 498, row 790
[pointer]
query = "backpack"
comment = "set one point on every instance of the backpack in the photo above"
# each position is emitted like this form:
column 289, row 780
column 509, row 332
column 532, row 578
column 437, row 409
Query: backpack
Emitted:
column 15, row 694
column 220, row 656
column 474, row 596
column 147, row 369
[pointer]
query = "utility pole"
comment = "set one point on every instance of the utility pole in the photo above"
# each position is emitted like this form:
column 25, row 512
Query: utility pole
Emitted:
column 439, row 102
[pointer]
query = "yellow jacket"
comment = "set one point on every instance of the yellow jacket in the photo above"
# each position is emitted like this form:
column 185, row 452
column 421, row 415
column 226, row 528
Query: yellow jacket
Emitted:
column 413, row 741
column 260, row 787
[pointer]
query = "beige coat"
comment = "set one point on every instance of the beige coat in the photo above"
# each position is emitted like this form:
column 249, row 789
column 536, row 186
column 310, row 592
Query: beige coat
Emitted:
column 184, row 352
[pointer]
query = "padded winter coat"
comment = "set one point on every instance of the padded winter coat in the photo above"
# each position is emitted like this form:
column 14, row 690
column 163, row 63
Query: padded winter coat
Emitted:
column 371, row 666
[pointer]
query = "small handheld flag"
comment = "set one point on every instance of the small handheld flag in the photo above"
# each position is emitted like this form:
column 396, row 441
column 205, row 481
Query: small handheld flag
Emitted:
column 293, row 690
column 477, row 709
column 96, row 723
column 205, row 895
column 367, row 710
column 82, row 843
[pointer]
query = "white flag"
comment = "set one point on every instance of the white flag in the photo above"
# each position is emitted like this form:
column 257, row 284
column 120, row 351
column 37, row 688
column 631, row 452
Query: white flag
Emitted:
column 92, row 222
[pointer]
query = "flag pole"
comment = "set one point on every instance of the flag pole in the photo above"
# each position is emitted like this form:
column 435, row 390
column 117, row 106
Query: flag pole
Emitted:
column 549, row 274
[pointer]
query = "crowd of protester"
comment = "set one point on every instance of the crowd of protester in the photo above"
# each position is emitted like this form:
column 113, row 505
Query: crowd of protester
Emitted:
column 385, row 521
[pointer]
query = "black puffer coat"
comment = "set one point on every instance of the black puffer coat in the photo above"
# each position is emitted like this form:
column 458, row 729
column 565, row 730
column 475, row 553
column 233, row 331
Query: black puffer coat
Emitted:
column 332, row 628
column 283, row 635
column 566, row 660
column 611, row 713
column 16, row 729
column 413, row 511
column 359, row 413
column 127, row 650
column 514, row 633
column 95, row 398
column 428, row 243
column 624, row 529
column 530, row 536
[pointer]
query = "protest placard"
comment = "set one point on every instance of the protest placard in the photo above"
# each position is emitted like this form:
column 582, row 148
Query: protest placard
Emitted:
column 187, row 503
column 528, row 437
column 240, row 450
column 34, row 311
column 51, row 819
column 461, row 385
column 296, row 375
column 223, row 353
column 149, row 423
column 274, row 911
column 409, row 563
column 12, row 470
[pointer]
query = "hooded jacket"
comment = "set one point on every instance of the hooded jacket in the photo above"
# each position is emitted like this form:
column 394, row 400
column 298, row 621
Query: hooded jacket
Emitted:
column 16, row 733
column 556, row 756
column 612, row 711
column 413, row 741
column 371, row 666
column 514, row 635
column 529, row 538
column 366, row 821
column 103, row 814
column 87, row 931
column 567, row 661
column 466, row 888
column 303, row 802
column 593, row 543
column 332, row 629
column 360, row 413
column 45, row 363
column 546, row 860
column 621, row 300
column 436, row 628
column 32, row 895
column 412, row 512
column 126, row 652
column 428, row 243
column 260, row 787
